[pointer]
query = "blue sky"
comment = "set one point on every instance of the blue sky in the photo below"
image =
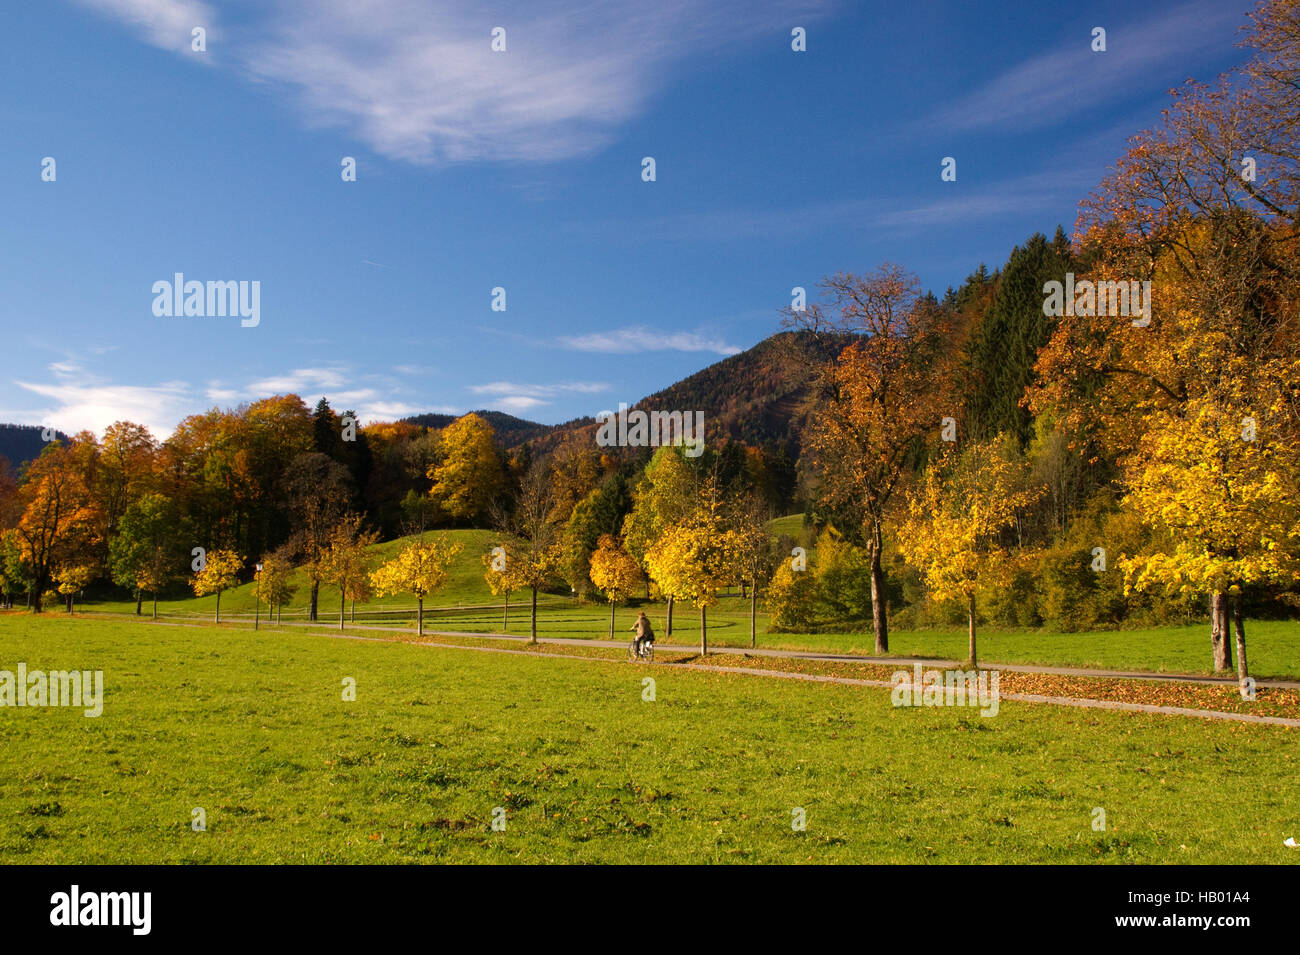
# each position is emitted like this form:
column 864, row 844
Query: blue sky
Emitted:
column 522, row 169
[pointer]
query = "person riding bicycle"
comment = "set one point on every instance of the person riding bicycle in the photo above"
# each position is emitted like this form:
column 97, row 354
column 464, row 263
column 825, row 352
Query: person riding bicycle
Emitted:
column 644, row 632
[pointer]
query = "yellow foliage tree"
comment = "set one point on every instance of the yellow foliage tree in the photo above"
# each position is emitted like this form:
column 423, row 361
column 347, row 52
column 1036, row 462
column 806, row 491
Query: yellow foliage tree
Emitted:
column 791, row 598
column 958, row 518
column 273, row 585
column 1217, row 481
column 72, row 578
column 469, row 476
column 662, row 498
column 695, row 558
column 420, row 569
column 499, row 582
column 346, row 563
column 220, row 571
column 614, row 571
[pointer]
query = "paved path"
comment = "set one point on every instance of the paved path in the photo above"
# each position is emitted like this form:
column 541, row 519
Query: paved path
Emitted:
column 845, row 657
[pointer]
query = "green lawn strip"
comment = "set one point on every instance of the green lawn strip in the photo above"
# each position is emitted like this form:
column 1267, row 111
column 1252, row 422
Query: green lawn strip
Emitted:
column 252, row 728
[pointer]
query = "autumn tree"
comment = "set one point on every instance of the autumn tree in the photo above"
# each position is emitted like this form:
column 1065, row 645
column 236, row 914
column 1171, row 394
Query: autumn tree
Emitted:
column 599, row 513
column 956, row 531
column 499, row 582
column 273, row 586
column 751, row 549
column 420, row 568
column 877, row 403
column 145, row 554
column 530, row 537
column 469, row 477
column 220, row 572
column 663, row 497
column 128, row 456
column 575, row 473
column 319, row 491
column 72, row 578
column 15, row 575
column 615, row 572
column 1217, row 484
column 695, row 558
column 791, row 597
column 57, row 515
column 346, row 561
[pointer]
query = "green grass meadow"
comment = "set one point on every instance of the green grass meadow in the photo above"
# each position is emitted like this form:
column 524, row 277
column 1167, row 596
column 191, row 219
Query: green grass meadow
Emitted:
column 252, row 727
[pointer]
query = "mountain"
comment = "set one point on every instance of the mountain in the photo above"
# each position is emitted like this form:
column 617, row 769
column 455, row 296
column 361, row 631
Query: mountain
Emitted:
column 20, row 443
column 756, row 396
column 510, row 431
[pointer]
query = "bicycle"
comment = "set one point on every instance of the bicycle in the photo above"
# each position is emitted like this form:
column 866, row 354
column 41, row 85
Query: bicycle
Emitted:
column 647, row 652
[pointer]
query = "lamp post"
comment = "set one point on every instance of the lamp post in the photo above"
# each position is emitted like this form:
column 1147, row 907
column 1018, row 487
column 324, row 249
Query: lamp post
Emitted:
column 257, row 599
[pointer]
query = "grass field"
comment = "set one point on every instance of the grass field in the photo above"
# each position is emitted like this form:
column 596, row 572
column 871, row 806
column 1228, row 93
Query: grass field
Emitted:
column 253, row 729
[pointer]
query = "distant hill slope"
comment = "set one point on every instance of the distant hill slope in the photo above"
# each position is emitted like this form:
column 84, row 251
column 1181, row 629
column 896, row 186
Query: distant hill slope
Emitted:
column 20, row 443
column 510, row 431
column 756, row 396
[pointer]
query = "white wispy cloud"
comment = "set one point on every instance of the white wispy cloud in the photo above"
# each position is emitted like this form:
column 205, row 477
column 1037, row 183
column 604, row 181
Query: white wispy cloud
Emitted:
column 78, row 401
column 419, row 82
column 513, row 396
column 370, row 396
column 1070, row 77
column 164, row 23
column 639, row 339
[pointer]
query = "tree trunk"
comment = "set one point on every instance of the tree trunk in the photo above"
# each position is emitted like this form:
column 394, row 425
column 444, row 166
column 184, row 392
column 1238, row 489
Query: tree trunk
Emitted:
column 879, row 618
column 315, row 591
column 1220, row 641
column 1239, row 625
column 532, row 625
column 611, row 620
column 343, row 606
column 155, row 605
column 139, row 601
column 217, row 617
column 419, row 619
column 753, row 616
column 704, row 633
column 971, row 613
column 668, row 631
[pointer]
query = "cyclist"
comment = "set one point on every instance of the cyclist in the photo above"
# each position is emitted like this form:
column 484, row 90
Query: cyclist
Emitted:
column 644, row 633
